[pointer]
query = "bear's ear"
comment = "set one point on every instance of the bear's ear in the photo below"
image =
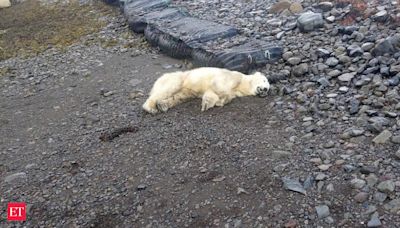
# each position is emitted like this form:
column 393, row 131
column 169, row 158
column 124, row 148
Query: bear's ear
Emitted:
column 257, row 74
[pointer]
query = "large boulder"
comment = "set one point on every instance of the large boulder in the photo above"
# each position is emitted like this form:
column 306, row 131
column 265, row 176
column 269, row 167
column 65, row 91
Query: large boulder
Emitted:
column 310, row 21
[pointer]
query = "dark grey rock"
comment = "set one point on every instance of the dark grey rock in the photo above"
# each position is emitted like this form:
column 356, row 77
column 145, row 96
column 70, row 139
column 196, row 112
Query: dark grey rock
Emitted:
column 367, row 46
column 373, row 62
column 352, row 132
column 347, row 77
column 348, row 30
column 330, row 19
column 380, row 196
column 349, row 168
column 321, row 177
column 287, row 55
column 395, row 139
column 141, row 187
column 374, row 221
column 386, row 186
column 393, row 206
column 361, row 197
column 375, row 127
column 370, row 70
column 381, row 16
column 334, row 73
column 323, row 53
column 357, row 183
column 383, row 137
column 325, row 6
column 367, row 170
column 332, row 61
column 294, row 60
column 357, row 36
column 310, row 21
column 324, row 82
column 382, row 120
column 372, row 180
column 390, row 114
column 344, row 59
column 293, row 185
column 394, row 81
column 384, row 71
column 322, row 211
column 394, row 69
column 309, row 182
column 300, row 70
column 389, row 45
column 397, row 154
column 354, row 50
column 289, row 26
column 371, row 112
column 354, row 106
column 280, row 35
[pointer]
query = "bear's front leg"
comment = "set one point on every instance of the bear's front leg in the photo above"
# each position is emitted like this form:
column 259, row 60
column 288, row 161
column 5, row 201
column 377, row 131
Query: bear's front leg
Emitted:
column 163, row 105
column 209, row 100
column 150, row 106
column 223, row 101
column 220, row 102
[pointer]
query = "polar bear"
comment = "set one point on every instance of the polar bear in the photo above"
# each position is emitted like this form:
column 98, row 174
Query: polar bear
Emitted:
column 215, row 86
column 5, row 3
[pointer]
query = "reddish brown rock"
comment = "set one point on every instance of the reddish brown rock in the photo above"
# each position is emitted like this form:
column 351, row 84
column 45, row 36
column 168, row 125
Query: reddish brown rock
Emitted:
column 280, row 6
column 291, row 224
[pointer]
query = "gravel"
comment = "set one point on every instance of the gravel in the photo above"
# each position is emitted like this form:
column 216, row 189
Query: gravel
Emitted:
column 328, row 130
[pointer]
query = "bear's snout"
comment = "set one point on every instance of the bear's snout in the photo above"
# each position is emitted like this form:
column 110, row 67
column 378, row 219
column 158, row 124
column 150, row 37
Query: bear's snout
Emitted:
column 262, row 91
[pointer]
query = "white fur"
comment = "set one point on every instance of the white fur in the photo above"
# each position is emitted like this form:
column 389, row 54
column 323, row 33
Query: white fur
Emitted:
column 215, row 86
column 5, row 3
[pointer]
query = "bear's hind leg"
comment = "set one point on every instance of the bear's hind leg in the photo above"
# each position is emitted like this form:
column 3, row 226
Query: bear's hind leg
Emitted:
column 164, row 88
column 179, row 97
column 150, row 106
column 209, row 100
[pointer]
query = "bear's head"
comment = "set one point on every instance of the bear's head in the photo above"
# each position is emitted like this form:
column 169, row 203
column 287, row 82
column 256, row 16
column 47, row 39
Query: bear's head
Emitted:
column 259, row 84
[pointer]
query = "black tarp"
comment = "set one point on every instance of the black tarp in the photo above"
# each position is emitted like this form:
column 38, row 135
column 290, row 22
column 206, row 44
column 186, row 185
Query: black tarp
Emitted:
column 137, row 7
column 244, row 58
column 139, row 22
column 178, row 38
column 181, row 36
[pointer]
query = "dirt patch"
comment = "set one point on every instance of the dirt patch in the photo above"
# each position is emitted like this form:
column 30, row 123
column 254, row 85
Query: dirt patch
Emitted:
column 29, row 28
column 109, row 136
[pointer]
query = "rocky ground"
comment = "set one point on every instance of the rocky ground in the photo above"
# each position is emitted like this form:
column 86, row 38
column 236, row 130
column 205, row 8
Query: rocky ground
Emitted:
column 320, row 151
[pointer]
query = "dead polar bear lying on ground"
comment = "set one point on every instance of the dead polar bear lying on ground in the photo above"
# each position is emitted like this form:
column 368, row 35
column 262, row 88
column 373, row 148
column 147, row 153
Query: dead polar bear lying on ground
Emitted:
column 215, row 86
column 5, row 3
